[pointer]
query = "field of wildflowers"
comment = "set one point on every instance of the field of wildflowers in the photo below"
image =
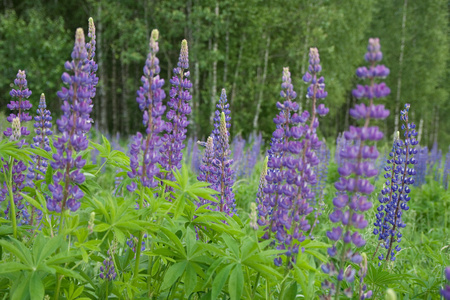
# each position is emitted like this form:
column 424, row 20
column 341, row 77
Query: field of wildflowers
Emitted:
column 164, row 216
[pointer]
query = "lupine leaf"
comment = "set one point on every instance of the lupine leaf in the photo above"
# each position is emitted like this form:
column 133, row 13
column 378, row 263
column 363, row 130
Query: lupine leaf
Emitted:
column 173, row 273
column 219, row 281
column 236, row 283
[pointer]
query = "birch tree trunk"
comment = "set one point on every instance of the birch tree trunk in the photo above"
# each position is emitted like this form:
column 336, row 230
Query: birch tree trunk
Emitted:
column 236, row 72
column 263, row 81
column 227, row 50
column 114, row 92
column 400, row 62
column 125, row 128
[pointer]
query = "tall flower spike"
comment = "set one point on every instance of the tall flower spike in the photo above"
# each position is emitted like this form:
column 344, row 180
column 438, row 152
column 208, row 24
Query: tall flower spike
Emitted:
column 222, row 106
column 224, row 163
column 291, row 164
column 208, row 172
column 395, row 198
column 353, row 187
column 21, row 105
column 15, row 133
column 149, row 97
column 90, row 47
column 73, row 126
column 179, row 108
column 42, row 129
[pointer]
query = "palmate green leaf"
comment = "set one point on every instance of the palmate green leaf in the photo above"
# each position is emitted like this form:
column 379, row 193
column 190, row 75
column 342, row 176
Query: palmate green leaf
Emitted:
column 212, row 268
column 10, row 149
column 232, row 244
column 12, row 267
column 190, row 279
column 21, row 290
column 19, row 250
column 175, row 240
column 68, row 272
column 382, row 278
column 36, row 287
column 219, row 281
column 47, row 249
column 174, row 272
column 236, row 283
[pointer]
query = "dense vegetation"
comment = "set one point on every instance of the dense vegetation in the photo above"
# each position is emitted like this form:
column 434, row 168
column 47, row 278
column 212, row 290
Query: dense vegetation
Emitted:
column 330, row 207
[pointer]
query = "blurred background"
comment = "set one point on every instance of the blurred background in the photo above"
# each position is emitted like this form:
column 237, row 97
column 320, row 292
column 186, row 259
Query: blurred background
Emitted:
column 241, row 46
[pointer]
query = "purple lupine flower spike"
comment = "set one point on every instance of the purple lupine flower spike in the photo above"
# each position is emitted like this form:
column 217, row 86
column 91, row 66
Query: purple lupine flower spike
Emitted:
column 42, row 129
column 292, row 159
column 179, row 108
column 222, row 106
column 399, row 176
column 149, row 98
column 208, row 171
column 354, row 187
column 224, row 163
column 73, row 126
column 15, row 133
column 21, row 105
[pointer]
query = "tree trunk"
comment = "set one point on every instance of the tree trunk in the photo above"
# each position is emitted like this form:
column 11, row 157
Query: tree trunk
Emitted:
column 236, row 72
column 114, row 92
column 263, row 81
column 419, row 134
column 102, row 108
column 227, row 50
column 400, row 62
column 125, row 128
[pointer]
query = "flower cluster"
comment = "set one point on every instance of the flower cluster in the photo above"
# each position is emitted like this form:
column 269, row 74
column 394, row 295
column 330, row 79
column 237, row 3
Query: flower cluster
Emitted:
column 238, row 146
column 354, row 187
column 42, row 129
column 15, row 133
column 208, row 171
column 108, row 271
column 149, row 98
column 291, row 163
column 21, row 105
column 399, row 172
column 222, row 106
column 223, row 164
column 179, row 108
column 73, row 126
column 421, row 168
column 217, row 165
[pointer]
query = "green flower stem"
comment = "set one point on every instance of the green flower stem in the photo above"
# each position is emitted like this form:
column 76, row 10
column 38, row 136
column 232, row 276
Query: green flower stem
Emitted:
column 12, row 205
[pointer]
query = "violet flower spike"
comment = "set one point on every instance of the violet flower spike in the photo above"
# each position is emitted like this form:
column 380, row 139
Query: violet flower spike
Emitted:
column 357, row 165
column 15, row 133
column 179, row 109
column 149, row 97
column 73, row 126
column 396, row 193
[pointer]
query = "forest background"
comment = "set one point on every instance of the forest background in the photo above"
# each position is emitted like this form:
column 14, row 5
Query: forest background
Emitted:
column 241, row 46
